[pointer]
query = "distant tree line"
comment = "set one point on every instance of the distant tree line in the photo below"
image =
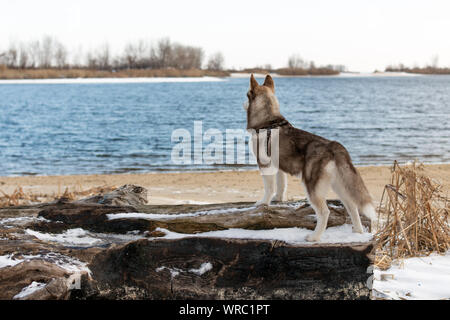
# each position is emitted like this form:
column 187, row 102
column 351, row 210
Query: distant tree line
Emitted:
column 36, row 54
column 297, row 66
column 48, row 57
column 430, row 68
column 51, row 53
column 419, row 70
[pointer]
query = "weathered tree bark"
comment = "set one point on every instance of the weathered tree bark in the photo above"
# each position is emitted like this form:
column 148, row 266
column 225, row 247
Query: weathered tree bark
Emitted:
column 187, row 268
column 126, row 195
column 240, row 269
column 13, row 279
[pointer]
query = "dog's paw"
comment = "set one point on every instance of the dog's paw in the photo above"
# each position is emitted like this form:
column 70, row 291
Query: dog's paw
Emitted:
column 261, row 203
column 358, row 229
column 313, row 237
column 280, row 198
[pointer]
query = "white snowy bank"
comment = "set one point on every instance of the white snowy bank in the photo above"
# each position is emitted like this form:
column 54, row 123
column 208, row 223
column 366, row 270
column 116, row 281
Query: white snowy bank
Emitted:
column 111, row 80
column 424, row 278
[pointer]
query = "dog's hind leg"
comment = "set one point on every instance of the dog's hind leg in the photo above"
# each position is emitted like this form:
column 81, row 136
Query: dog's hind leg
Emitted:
column 269, row 189
column 281, row 194
column 350, row 206
column 354, row 215
column 317, row 199
column 319, row 205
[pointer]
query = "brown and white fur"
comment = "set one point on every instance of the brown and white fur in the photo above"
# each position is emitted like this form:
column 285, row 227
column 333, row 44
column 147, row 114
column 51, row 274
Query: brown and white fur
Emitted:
column 321, row 164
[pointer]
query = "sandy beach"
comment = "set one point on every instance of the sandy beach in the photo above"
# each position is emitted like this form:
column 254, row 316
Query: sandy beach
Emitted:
column 200, row 187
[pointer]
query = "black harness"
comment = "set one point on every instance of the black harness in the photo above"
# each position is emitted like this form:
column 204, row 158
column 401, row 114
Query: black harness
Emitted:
column 273, row 125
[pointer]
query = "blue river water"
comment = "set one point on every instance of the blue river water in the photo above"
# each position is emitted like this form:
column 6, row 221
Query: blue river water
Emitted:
column 85, row 128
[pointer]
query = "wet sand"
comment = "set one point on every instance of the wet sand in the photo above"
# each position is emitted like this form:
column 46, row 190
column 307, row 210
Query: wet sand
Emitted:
column 201, row 187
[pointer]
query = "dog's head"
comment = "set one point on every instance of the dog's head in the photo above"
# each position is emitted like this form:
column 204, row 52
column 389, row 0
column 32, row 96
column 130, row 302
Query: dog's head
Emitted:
column 262, row 105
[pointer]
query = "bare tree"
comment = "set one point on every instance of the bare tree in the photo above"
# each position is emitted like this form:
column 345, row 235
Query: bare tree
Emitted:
column 216, row 62
column 295, row 61
column 340, row 68
column 91, row 61
column 23, row 56
column 435, row 61
column 12, row 56
column 104, row 57
column 46, row 52
column 197, row 57
column 186, row 57
column 178, row 57
column 2, row 60
column 130, row 56
column 60, row 55
column 77, row 58
column 35, row 51
column 164, row 52
column 142, row 53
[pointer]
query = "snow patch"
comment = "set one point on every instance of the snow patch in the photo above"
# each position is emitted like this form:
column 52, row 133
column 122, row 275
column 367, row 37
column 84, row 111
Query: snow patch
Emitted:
column 82, row 238
column 76, row 236
column 155, row 216
column 173, row 271
column 205, row 267
column 8, row 261
column 33, row 287
column 20, row 221
column 68, row 263
column 338, row 234
column 419, row 278
column 72, row 265
column 331, row 205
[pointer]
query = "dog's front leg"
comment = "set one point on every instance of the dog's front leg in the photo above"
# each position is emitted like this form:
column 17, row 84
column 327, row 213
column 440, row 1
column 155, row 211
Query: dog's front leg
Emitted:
column 269, row 189
column 281, row 194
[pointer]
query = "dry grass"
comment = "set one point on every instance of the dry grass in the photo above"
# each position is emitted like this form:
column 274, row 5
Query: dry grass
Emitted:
column 415, row 216
column 16, row 198
column 55, row 73
column 19, row 197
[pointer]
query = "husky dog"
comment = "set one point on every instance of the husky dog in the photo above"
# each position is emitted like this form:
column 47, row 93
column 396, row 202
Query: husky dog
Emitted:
column 318, row 162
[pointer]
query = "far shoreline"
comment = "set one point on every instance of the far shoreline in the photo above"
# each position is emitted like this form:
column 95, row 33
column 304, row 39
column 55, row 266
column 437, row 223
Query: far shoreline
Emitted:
column 202, row 78
column 13, row 75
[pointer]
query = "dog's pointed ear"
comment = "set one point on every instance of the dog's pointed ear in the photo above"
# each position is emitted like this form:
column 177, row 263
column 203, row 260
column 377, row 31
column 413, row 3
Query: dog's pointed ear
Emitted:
column 253, row 83
column 268, row 82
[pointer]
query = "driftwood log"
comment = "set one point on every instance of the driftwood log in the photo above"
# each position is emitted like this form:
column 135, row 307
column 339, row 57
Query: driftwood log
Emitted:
column 133, row 261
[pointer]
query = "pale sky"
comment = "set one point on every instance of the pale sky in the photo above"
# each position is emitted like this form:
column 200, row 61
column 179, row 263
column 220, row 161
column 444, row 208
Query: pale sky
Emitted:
column 361, row 34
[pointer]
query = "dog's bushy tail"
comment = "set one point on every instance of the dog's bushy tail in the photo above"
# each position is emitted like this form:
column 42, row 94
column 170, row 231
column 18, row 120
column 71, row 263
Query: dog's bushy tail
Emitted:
column 358, row 192
column 355, row 189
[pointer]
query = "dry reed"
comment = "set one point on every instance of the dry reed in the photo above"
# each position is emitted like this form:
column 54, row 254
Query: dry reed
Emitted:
column 19, row 197
column 415, row 216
